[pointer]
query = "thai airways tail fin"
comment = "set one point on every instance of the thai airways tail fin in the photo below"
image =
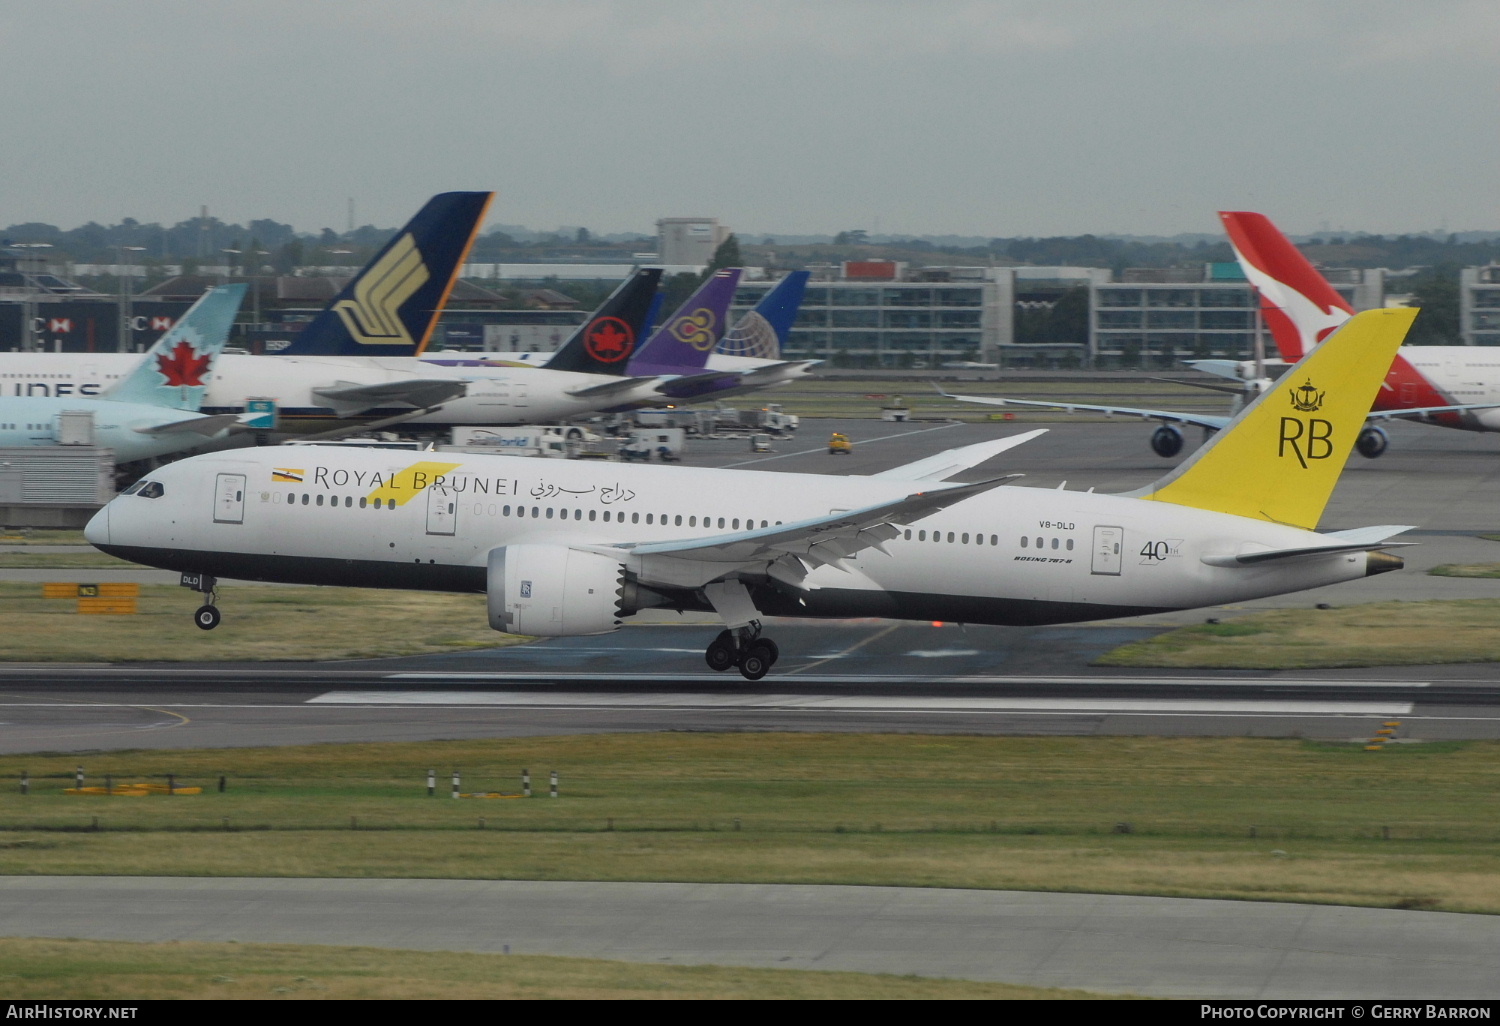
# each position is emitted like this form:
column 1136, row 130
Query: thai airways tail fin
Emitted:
column 1280, row 458
column 175, row 372
column 763, row 331
column 391, row 306
column 682, row 344
column 604, row 343
column 1298, row 304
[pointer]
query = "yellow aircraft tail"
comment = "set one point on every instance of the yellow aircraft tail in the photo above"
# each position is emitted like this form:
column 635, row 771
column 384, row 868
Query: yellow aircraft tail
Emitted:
column 1281, row 457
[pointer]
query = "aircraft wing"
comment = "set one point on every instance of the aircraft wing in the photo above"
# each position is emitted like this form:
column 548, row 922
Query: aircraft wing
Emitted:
column 821, row 540
column 348, row 398
column 945, row 464
column 687, row 386
column 1360, row 539
column 777, row 371
column 1430, row 411
column 205, row 426
column 1196, row 419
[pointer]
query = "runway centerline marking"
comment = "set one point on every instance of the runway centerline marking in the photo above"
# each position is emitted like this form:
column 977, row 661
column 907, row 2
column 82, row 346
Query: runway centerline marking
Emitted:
column 876, row 703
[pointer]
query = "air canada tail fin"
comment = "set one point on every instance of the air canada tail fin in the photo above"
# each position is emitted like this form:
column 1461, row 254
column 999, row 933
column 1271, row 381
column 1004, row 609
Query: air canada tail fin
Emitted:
column 175, row 372
column 1298, row 304
column 1281, row 457
column 682, row 344
column 603, row 344
column 391, row 306
column 763, row 331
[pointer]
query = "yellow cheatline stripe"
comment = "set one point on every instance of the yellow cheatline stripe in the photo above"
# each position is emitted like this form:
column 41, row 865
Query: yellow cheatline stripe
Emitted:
column 405, row 485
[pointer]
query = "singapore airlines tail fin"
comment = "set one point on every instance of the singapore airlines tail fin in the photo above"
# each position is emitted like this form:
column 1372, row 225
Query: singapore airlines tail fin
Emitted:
column 1280, row 458
column 1298, row 304
column 604, row 343
column 392, row 305
column 175, row 372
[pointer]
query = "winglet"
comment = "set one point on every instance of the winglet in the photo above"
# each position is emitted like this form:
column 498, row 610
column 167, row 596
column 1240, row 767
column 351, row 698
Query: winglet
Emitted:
column 175, row 372
column 392, row 305
column 1281, row 457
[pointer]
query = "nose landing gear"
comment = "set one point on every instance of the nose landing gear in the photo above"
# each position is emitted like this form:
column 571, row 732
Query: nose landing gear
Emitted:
column 206, row 617
column 745, row 648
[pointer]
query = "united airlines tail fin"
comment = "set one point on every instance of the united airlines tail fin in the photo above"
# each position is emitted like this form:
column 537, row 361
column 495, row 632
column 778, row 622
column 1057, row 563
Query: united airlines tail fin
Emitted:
column 1280, row 458
column 682, row 344
column 1298, row 304
column 763, row 331
column 604, row 343
column 175, row 372
column 391, row 306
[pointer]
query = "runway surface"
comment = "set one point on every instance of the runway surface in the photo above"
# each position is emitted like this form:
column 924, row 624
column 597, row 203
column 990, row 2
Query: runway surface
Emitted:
column 1166, row 947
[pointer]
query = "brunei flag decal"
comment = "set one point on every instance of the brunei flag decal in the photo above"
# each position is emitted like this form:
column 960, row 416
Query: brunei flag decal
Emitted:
column 292, row 474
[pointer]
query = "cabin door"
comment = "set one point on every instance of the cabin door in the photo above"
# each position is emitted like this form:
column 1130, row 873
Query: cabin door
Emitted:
column 229, row 499
column 1109, row 543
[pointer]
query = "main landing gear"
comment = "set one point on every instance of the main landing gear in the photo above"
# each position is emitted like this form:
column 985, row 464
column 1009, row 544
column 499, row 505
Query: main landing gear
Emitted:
column 745, row 648
column 206, row 617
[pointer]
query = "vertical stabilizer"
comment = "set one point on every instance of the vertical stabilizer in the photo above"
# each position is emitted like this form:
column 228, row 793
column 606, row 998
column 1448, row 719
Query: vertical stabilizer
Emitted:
column 605, row 342
column 175, row 372
column 762, row 332
column 391, row 306
column 1298, row 304
column 682, row 344
column 1281, row 457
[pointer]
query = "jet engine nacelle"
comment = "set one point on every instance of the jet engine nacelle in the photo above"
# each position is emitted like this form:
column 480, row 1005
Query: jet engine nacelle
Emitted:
column 553, row 591
column 1166, row 441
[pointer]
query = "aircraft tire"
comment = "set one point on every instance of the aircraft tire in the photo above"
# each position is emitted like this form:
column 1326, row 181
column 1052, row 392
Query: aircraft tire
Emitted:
column 1166, row 441
column 772, row 648
column 1372, row 442
column 756, row 662
column 720, row 653
column 206, row 618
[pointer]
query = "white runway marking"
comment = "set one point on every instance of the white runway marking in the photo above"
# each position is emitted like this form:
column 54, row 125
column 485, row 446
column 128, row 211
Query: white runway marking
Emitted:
column 942, row 653
column 875, row 703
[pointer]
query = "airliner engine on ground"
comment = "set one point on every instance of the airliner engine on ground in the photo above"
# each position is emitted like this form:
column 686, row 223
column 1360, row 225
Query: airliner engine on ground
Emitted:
column 570, row 548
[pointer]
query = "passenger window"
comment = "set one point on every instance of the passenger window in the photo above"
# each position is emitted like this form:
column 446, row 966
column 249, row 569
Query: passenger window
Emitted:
column 950, row 537
column 549, row 512
column 648, row 517
column 1039, row 543
column 721, row 522
column 678, row 520
column 348, row 501
column 306, row 498
column 736, row 524
column 505, row 511
column 1054, row 543
column 362, row 502
column 1070, row 544
column 593, row 513
column 1025, row 542
column 921, row 536
column 965, row 538
column 908, row 534
column 578, row 514
column 606, row 516
column 692, row 521
column 995, row 539
column 635, row 518
column 535, row 512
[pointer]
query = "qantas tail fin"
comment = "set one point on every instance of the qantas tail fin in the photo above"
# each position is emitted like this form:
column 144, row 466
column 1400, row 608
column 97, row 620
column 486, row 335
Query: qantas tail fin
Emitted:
column 682, row 344
column 1298, row 304
column 763, row 331
column 604, row 343
column 391, row 306
column 175, row 372
column 1280, row 458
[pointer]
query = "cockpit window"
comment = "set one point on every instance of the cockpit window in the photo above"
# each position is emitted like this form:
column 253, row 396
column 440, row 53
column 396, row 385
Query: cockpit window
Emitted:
column 152, row 490
column 133, row 488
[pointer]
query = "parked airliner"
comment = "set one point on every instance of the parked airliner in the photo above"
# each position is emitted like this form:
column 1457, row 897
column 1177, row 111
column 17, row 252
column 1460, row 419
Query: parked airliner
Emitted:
column 565, row 548
column 153, row 409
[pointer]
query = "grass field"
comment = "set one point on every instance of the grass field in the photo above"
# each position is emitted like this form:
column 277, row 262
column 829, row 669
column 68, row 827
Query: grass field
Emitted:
column 259, row 623
column 42, row 536
column 1466, row 570
column 81, row 970
column 1412, row 826
column 62, row 561
column 1378, row 634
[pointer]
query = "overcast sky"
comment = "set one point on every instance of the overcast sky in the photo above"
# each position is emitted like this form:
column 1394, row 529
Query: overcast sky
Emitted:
column 983, row 117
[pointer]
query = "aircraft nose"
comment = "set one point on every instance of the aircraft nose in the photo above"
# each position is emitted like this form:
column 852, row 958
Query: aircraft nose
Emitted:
column 96, row 532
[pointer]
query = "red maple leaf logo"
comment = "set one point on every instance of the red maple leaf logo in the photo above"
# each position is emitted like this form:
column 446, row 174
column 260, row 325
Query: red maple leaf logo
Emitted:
column 610, row 340
column 183, row 366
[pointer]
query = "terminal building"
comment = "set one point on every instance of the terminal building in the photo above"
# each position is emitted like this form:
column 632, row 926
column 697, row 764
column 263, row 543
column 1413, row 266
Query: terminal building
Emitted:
column 1479, row 305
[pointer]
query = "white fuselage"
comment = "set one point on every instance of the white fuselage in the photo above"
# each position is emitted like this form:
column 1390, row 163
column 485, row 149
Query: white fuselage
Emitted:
column 27, row 421
column 1008, row 555
column 496, row 395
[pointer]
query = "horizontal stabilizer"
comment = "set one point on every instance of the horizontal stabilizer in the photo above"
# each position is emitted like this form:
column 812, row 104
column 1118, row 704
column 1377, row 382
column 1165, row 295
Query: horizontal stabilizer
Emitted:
column 945, row 464
column 614, row 386
column 1358, row 540
column 205, row 426
column 348, row 399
